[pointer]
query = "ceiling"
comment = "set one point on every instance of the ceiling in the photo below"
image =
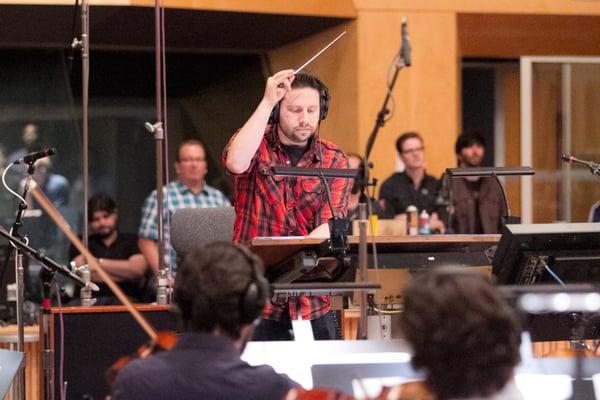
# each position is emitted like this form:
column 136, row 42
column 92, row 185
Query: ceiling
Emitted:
column 133, row 28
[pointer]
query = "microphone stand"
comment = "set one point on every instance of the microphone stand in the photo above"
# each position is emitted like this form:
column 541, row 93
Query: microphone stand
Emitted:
column 50, row 267
column 363, row 182
column 46, row 277
column 84, row 45
column 159, row 131
column 19, row 278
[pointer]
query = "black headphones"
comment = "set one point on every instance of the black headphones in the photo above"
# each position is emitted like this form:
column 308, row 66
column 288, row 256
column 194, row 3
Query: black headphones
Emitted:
column 323, row 99
column 257, row 292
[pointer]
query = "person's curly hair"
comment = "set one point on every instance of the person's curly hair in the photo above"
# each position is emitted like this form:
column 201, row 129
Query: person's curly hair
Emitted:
column 464, row 335
column 211, row 285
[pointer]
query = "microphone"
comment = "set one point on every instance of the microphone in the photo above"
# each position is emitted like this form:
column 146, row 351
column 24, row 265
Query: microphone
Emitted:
column 572, row 160
column 405, row 49
column 33, row 157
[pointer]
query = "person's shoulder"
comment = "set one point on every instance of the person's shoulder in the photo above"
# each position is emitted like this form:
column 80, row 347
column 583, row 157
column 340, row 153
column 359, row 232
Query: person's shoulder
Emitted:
column 216, row 193
column 431, row 179
column 212, row 189
column 393, row 178
column 141, row 378
column 274, row 385
column 151, row 195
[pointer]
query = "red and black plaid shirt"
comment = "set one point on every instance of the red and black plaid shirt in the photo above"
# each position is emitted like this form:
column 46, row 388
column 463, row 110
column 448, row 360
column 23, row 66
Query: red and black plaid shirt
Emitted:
column 267, row 205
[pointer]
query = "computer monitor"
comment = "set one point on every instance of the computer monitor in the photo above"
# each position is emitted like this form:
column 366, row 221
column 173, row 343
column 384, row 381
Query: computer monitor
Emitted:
column 546, row 253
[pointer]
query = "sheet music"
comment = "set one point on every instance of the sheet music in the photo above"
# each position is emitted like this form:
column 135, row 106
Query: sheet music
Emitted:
column 281, row 237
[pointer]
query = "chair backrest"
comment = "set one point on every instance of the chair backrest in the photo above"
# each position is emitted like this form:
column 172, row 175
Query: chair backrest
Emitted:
column 594, row 213
column 194, row 227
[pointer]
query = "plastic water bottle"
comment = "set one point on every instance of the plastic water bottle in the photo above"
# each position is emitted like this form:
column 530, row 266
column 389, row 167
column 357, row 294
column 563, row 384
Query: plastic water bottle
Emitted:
column 412, row 219
column 424, row 226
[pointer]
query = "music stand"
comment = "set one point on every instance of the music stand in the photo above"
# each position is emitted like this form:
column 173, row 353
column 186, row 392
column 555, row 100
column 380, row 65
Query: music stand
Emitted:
column 494, row 172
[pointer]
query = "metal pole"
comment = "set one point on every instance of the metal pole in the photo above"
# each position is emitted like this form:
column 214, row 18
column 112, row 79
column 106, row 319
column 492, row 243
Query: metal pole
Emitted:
column 48, row 370
column 20, row 322
column 158, row 130
column 85, row 83
column 362, row 269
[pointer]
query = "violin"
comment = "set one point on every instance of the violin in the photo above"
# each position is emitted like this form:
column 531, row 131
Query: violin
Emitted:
column 164, row 341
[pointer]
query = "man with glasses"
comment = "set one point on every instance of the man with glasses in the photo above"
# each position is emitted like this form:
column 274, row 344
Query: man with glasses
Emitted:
column 189, row 190
column 413, row 186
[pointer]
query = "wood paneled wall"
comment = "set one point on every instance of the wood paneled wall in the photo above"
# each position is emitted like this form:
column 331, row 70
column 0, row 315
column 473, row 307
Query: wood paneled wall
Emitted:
column 337, row 67
column 427, row 95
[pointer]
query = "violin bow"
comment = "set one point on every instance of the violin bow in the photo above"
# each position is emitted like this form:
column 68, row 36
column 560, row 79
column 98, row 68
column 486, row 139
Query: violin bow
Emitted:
column 64, row 226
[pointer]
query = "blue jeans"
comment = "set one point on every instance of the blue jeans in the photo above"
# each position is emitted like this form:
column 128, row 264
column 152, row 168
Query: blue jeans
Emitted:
column 326, row 327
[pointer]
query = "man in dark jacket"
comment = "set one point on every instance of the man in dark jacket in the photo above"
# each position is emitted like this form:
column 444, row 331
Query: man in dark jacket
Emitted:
column 477, row 201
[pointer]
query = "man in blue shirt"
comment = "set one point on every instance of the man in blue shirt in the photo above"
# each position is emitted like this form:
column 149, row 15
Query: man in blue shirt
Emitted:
column 189, row 190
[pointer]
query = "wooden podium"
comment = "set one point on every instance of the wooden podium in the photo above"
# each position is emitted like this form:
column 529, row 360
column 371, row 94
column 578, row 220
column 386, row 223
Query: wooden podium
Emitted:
column 397, row 255
column 274, row 250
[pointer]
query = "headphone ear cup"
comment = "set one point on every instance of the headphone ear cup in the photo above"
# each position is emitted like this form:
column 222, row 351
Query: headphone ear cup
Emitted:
column 257, row 292
column 324, row 102
column 250, row 304
column 274, row 117
column 254, row 300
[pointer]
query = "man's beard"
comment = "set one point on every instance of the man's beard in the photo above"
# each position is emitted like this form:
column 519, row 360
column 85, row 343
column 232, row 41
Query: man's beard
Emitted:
column 103, row 234
column 470, row 164
column 294, row 137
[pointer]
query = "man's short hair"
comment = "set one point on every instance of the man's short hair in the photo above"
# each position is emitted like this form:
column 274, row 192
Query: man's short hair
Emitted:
column 101, row 202
column 464, row 335
column 404, row 137
column 468, row 139
column 212, row 288
column 306, row 80
column 188, row 142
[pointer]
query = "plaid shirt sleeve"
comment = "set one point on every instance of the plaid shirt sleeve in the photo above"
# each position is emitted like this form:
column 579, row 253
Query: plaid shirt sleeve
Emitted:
column 149, row 226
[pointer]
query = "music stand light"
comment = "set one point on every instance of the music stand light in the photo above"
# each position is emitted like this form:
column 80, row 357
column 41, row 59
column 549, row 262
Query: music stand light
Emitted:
column 494, row 172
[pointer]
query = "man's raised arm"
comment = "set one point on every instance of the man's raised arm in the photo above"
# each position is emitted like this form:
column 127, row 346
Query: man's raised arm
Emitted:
column 244, row 144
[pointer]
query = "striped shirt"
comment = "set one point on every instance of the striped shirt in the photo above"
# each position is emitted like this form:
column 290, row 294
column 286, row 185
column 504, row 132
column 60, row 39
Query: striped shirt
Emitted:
column 267, row 205
column 179, row 196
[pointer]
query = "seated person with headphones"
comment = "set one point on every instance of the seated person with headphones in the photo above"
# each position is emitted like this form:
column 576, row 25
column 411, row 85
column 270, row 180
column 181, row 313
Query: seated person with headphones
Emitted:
column 465, row 337
column 284, row 131
column 220, row 293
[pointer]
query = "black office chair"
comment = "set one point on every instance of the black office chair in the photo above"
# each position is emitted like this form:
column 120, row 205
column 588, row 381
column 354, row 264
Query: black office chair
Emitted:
column 594, row 213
